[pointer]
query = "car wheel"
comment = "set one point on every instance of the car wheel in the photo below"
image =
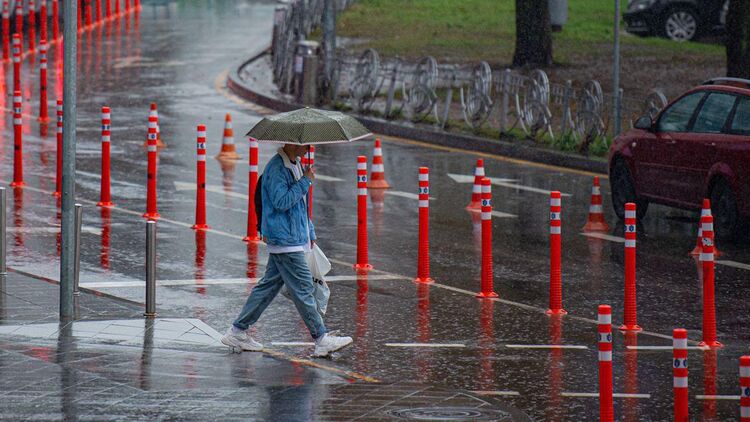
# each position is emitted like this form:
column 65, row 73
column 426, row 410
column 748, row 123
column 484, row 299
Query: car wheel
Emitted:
column 623, row 191
column 681, row 24
column 728, row 224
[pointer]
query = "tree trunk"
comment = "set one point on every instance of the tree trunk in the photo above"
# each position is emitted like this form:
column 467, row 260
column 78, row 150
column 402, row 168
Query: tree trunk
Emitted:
column 738, row 39
column 533, row 34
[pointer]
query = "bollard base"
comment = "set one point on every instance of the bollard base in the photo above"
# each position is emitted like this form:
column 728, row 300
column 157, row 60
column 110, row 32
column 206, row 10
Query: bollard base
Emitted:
column 632, row 328
column 200, row 227
column 17, row 184
column 556, row 312
column 596, row 226
column 151, row 216
column 424, row 280
column 252, row 239
column 228, row 156
column 711, row 345
column 486, row 295
column 362, row 267
column 149, row 314
column 106, row 204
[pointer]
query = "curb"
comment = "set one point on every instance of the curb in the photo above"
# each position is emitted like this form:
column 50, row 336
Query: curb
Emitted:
column 462, row 141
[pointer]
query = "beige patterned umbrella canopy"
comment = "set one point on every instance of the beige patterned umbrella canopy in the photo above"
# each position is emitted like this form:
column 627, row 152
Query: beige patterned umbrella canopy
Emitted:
column 308, row 126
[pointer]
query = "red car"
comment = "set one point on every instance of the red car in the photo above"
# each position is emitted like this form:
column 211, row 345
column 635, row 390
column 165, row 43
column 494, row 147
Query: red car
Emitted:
column 697, row 147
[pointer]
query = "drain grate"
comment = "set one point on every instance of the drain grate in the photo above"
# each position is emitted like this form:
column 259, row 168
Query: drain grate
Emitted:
column 452, row 414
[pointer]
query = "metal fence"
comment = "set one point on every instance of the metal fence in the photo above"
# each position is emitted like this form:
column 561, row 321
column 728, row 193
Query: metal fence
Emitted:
column 480, row 99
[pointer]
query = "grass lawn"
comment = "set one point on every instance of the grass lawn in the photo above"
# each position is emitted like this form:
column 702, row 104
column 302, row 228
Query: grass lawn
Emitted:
column 473, row 30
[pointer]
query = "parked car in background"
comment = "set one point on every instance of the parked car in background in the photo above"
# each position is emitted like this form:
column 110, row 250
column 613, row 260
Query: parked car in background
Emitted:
column 678, row 20
column 697, row 147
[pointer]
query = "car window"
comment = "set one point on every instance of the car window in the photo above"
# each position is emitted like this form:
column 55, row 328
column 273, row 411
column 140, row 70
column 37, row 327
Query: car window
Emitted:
column 741, row 120
column 713, row 114
column 677, row 117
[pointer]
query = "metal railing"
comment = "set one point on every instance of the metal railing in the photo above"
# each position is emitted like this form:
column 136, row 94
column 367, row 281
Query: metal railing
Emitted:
column 479, row 98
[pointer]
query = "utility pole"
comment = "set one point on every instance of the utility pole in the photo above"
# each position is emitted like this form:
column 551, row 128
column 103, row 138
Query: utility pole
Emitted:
column 329, row 41
column 67, row 257
column 616, row 73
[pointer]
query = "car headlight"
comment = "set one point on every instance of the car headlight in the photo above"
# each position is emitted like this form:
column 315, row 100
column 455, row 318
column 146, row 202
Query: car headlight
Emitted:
column 637, row 5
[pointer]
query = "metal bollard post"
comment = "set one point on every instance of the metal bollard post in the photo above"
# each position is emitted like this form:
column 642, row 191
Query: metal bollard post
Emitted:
column 305, row 72
column 3, row 204
column 150, row 269
column 77, row 270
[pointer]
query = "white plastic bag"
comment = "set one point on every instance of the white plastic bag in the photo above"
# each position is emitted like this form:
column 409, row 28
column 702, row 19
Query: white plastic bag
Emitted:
column 319, row 267
column 318, row 262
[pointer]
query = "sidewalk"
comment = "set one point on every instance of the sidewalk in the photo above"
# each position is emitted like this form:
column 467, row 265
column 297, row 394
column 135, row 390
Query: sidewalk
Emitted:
column 112, row 364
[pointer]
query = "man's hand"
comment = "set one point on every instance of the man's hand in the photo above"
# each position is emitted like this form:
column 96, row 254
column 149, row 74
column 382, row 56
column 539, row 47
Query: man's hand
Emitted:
column 310, row 173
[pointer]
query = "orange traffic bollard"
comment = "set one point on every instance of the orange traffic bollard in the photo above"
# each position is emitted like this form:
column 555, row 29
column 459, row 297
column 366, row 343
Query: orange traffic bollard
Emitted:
column 32, row 25
column 745, row 389
column 17, row 142
column 252, row 217
column 631, row 308
column 680, row 374
column 6, row 30
column 362, row 252
column 476, row 192
column 200, row 193
column 606, row 407
column 709, row 301
column 423, row 252
column 487, row 275
column 16, row 62
column 151, row 212
column 58, row 176
column 105, row 199
column 43, row 35
column 43, row 113
column 555, row 254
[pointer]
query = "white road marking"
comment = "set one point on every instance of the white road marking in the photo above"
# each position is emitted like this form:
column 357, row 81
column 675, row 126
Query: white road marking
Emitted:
column 324, row 178
column 498, row 214
column 596, row 395
column 462, row 178
column 218, row 281
column 209, row 188
column 506, row 183
column 604, row 237
column 496, row 393
column 715, row 397
column 292, row 343
column 436, row 345
column 38, row 230
column 733, row 264
column 405, row 194
column 664, row 348
column 114, row 182
column 545, row 346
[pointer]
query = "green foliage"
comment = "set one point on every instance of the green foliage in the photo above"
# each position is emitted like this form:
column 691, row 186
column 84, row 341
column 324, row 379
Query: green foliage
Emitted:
column 473, row 30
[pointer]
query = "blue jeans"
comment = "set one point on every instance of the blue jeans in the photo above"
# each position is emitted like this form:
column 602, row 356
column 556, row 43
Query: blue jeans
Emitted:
column 290, row 269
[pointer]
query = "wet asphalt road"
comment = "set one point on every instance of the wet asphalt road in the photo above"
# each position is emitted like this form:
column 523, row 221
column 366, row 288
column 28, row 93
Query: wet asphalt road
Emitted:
column 176, row 54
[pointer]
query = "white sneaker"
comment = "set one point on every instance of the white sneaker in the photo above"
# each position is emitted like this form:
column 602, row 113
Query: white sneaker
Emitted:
column 329, row 344
column 241, row 341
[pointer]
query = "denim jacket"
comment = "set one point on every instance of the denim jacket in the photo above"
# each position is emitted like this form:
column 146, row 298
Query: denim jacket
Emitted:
column 285, row 219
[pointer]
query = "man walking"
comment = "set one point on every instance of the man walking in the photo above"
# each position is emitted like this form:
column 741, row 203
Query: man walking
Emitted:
column 288, row 233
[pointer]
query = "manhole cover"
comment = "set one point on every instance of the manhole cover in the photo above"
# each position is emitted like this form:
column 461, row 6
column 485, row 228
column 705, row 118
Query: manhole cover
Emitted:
column 452, row 414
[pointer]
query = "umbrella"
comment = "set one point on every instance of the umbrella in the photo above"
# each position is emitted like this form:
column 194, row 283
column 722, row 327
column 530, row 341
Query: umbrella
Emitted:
column 308, row 126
